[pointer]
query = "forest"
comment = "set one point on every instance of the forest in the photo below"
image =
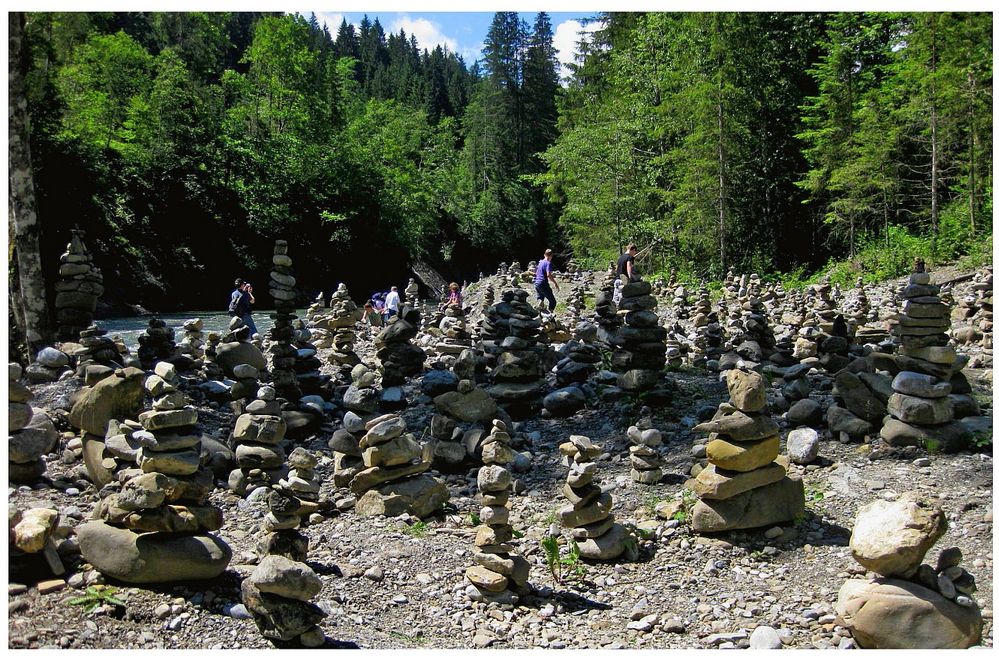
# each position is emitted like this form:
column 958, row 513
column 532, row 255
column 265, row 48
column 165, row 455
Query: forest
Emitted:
column 782, row 143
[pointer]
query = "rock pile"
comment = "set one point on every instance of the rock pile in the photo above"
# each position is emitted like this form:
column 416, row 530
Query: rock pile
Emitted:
column 193, row 343
column 257, row 437
column 279, row 590
column 96, row 349
column 78, row 289
column 155, row 528
column 32, row 535
column 393, row 481
column 510, row 333
column 744, row 485
column 411, row 295
column 32, row 433
column 155, row 344
column 921, row 411
column 345, row 315
column 456, row 337
column 639, row 353
column 605, row 307
column 645, row 459
column 398, row 356
column 457, row 428
column 499, row 574
column 361, row 396
column 588, row 516
column 909, row 605
column 346, row 448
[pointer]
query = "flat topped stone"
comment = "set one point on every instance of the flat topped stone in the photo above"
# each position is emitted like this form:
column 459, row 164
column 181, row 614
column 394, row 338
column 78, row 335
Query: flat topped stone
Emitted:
column 740, row 426
column 773, row 503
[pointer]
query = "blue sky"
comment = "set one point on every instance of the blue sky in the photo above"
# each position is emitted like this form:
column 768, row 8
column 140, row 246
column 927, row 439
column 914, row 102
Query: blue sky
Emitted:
column 461, row 32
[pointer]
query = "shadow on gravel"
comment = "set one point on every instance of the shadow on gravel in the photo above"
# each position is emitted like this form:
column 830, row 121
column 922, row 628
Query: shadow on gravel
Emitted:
column 571, row 601
column 329, row 644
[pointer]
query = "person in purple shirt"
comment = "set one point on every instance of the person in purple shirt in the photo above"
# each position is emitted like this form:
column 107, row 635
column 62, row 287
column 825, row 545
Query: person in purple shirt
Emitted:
column 541, row 281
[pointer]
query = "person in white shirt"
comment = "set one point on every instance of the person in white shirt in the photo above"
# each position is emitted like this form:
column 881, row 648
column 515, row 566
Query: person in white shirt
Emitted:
column 392, row 302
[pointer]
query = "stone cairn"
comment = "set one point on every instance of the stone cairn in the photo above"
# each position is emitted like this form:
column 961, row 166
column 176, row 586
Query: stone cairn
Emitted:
column 680, row 303
column 499, row 575
column 510, row 333
column 588, row 515
column 745, row 484
column 345, row 444
column 155, row 344
column 921, row 411
column 456, row 337
column 78, row 289
column 283, row 353
column 279, row 590
column 394, row 481
column 910, row 604
column 344, row 316
column 646, row 463
column 155, row 528
column 96, row 349
column 605, row 308
column 411, row 294
column 456, row 428
column 574, row 307
column 640, row 353
column 31, row 434
column 307, row 364
column 256, row 437
column 193, row 343
column 399, row 358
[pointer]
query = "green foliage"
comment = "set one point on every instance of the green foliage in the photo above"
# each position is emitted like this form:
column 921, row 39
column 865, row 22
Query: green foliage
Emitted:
column 562, row 567
column 97, row 595
column 980, row 440
column 417, row 530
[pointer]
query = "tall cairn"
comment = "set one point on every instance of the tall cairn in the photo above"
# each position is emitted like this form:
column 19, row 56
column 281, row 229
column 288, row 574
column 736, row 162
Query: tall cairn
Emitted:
column 745, row 484
column 279, row 590
column 588, row 515
column 411, row 294
column 156, row 528
column 605, row 308
column 283, row 353
column 510, row 334
column 920, row 409
column 641, row 353
column 499, row 574
column 399, row 358
column 78, row 289
column 646, row 461
column 155, row 344
column 345, row 315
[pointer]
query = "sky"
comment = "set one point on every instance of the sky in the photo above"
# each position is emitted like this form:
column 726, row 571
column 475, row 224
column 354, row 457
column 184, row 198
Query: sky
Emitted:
column 461, row 32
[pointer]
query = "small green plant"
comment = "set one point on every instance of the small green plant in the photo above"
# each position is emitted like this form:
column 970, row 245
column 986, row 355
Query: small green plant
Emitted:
column 800, row 518
column 981, row 439
column 473, row 519
column 518, row 534
column 932, row 446
column 97, row 595
column 562, row 566
column 418, row 529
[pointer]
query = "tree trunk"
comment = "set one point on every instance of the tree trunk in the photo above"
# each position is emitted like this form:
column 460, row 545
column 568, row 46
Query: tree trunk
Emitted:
column 30, row 289
column 721, row 185
column 934, row 164
column 973, row 129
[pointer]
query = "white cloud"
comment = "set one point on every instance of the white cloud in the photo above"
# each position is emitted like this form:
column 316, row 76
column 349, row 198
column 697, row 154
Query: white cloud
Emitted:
column 427, row 34
column 567, row 35
column 331, row 19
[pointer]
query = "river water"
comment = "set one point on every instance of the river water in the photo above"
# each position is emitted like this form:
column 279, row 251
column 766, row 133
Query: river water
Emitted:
column 129, row 328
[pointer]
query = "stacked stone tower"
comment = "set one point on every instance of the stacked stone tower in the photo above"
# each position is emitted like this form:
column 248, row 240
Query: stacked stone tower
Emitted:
column 79, row 287
column 283, row 353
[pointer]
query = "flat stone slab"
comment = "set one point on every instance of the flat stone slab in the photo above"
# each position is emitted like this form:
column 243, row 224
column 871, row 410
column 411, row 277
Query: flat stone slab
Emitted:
column 773, row 503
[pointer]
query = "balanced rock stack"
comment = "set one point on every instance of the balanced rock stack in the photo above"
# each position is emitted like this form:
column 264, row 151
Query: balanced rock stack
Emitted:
column 456, row 337
column 457, row 428
column 257, row 435
column 344, row 315
column 96, row 349
column 680, row 303
column 155, row 528
column 605, row 308
column 155, row 344
column 411, row 295
column 574, row 307
column 283, row 353
column 674, row 351
column 588, row 515
column 210, row 368
column 193, row 343
column 510, row 333
column 645, row 459
column 393, row 481
column 362, row 395
column 499, row 575
column 310, row 380
column 279, row 590
column 921, row 411
column 32, row 433
column 398, row 356
column 246, row 385
column 909, row 605
column 639, row 353
column 745, row 485
column 345, row 444
column 80, row 285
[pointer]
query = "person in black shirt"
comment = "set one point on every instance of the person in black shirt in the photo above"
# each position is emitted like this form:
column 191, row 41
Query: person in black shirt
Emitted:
column 626, row 264
column 239, row 304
